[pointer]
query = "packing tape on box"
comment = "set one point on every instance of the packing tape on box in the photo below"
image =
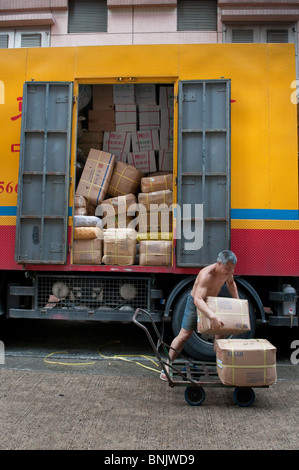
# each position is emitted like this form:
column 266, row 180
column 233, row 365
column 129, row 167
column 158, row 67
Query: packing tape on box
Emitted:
column 100, row 186
column 233, row 366
column 122, row 175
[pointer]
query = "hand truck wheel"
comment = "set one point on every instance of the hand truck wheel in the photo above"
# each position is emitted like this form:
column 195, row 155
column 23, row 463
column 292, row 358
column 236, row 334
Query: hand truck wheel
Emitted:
column 195, row 396
column 244, row 396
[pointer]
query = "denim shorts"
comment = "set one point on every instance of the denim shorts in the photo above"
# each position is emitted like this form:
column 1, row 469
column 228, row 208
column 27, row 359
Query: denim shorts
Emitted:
column 189, row 321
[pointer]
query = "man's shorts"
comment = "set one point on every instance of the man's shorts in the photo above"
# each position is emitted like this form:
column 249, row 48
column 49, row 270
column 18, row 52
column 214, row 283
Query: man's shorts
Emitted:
column 189, row 321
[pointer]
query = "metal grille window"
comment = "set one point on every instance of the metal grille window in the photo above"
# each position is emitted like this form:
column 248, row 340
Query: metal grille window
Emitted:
column 194, row 15
column 31, row 40
column 242, row 35
column 3, row 41
column 87, row 16
column 277, row 35
column 259, row 34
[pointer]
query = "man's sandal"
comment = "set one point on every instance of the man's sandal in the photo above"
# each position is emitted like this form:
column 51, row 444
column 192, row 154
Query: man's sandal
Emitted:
column 163, row 376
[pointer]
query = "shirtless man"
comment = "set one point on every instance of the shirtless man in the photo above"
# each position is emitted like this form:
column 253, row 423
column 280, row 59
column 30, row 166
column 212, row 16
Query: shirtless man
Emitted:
column 208, row 283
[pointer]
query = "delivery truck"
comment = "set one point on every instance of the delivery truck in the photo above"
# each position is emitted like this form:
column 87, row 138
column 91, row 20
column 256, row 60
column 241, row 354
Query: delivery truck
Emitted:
column 126, row 169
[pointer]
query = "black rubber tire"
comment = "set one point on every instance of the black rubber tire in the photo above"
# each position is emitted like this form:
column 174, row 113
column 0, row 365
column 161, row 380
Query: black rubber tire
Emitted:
column 244, row 396
column 198, row 346
column 195, row 396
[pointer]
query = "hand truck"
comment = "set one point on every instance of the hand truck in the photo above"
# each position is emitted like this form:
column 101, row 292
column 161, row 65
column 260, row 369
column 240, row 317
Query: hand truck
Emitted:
column 194, row 375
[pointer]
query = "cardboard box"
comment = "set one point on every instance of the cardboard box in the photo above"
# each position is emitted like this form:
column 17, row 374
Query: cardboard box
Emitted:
column 156, row 183
column 233, row 312
column 166, row 160
column 96, row 176
column 124, row 180
column 119, row 246
column 155, row 253
column 246, row 362
column 116, row 205
column 117, row 221
column 88, row 251
column 145, row 93
column 166, row 96
column 88, row 137
column 167, row 118
column 166, row 139
column 125, row 117
column 143, row 161
column 118, row 143
column 154, row 223
column 164, row 197
column 102, row 97
column 124, row 93
column 149, row 117
column 145, row 140
column 101, row 120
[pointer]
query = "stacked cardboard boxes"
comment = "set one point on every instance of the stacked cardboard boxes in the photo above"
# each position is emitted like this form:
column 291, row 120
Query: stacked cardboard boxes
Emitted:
column 123, row 164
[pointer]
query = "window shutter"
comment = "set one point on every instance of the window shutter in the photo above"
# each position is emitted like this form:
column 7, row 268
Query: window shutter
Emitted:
column 242, row 35
column 87, row 16
column 3, row 41
column 31, row 40
column 277, row 35
column 194, row 15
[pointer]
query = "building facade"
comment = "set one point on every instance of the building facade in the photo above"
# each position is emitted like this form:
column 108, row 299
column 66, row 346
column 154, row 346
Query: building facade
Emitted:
column 56, row 23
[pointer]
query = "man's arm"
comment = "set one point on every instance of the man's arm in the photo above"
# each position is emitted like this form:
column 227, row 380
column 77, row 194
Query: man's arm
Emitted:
column 200, row 303
column 232, row 288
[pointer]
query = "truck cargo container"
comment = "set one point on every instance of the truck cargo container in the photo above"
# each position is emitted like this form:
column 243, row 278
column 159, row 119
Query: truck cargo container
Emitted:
column 217, row 121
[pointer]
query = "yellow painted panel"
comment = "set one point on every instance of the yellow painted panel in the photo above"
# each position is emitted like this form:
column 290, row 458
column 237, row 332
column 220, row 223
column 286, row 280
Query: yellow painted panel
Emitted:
column 282, row 132
column 263, row 164
column 51, row 64
column 12, row 77
column 127, row 61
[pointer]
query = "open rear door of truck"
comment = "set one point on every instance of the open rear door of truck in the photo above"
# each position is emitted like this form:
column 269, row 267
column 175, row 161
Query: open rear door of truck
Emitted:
column 203, row 215
column 43, row 188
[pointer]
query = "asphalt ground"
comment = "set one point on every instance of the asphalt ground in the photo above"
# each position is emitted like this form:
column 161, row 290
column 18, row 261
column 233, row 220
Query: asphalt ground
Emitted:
column 57, row 393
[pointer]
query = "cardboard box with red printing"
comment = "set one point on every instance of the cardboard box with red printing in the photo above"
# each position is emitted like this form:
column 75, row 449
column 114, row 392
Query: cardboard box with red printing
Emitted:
column 233, row 312
column 166, row 96
column 246, row 362
column 149, row 117
column 143, row 161
column 166, row 160
column 145, row 140
column 118, row 143
column 125, row 117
